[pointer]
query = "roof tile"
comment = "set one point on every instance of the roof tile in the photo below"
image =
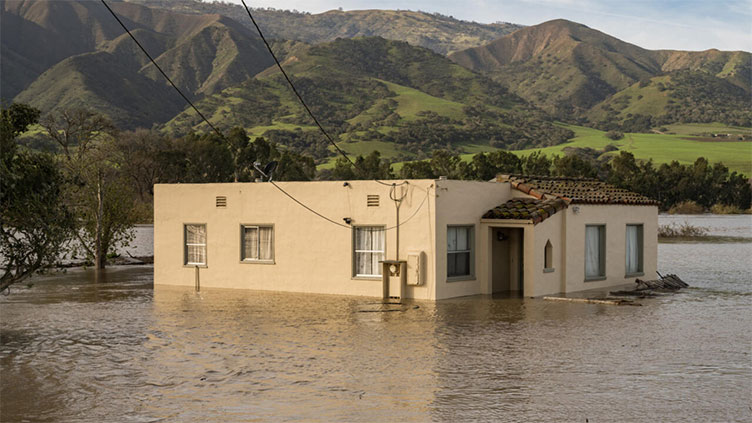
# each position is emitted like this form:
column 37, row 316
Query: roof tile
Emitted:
column 576, row 190
column 527, row 209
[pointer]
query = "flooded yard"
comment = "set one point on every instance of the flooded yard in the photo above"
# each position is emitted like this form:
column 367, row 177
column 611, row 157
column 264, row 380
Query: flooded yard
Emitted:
column 118, row 350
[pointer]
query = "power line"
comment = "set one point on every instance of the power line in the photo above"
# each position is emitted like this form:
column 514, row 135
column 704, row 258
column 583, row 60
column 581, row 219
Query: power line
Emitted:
column 389, row 228
column 393, row 185
column 305, row 106
column 161, row 71
column 300, row 98
column 308, row 208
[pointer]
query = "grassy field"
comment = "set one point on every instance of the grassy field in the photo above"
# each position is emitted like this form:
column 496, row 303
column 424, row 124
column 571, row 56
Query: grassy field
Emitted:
column 411, row 101
column 664, row 148
column 258, row 131
column 694, row 129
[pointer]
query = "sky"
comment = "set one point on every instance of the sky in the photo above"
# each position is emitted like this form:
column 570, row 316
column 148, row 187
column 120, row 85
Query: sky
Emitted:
column 668, row 24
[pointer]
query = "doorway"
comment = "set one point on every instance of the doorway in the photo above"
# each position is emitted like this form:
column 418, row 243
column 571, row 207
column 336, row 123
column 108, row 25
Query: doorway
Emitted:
column 507, row 261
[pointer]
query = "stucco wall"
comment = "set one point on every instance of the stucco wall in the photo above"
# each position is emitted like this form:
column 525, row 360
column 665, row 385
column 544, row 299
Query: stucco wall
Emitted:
column 547, row 283
column 310, row 254
column 313, row 255
column 615, row 217
column 464, row 203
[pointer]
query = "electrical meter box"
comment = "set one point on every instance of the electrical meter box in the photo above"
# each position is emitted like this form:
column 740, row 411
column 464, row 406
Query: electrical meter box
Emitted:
column 416, row 264
column 393, row 277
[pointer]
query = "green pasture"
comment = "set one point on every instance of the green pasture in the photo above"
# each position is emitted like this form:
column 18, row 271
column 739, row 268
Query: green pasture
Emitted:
column 664, row 148
column 411, row 101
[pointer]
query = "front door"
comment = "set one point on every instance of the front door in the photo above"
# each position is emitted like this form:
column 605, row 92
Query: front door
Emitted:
column 507, row 260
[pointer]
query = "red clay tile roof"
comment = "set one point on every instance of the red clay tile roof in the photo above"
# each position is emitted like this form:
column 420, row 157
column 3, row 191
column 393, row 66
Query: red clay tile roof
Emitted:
column 527, row 209
column 576, row 190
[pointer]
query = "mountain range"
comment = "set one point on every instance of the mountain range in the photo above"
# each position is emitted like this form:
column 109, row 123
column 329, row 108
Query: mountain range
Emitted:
column 574, row 71
column 403, row 82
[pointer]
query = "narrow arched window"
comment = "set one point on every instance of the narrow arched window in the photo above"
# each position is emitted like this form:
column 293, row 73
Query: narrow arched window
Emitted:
column 548, row 257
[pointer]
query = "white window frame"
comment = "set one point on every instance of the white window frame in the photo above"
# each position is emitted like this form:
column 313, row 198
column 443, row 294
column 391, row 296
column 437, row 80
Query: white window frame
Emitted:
column 186, row 245
column 356, row 251
column 640, row 250
column 602, row 266
column 243, row 257
column 471, row 244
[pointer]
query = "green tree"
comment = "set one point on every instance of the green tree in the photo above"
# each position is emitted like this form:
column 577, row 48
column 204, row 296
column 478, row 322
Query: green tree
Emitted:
column 139, row 156
column 444, row 163
column 371, row 166
column 15, row 120
column 34, row 222
column 485, row 166
column 99, row 195
column 572, row 165
column 417, row 170
column 536, row 164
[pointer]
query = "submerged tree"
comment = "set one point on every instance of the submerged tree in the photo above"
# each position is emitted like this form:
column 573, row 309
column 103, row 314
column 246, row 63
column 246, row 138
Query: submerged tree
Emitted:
column 34, row 222
column 99, row 195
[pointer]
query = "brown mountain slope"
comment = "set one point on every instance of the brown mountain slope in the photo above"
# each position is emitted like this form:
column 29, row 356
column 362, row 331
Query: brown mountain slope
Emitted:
column 202, row 54
column 103, row 82
column 568, row 68
column 442, row 34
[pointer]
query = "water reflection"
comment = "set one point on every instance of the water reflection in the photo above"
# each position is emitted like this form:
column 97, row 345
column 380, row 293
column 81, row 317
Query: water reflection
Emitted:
column 116, row 350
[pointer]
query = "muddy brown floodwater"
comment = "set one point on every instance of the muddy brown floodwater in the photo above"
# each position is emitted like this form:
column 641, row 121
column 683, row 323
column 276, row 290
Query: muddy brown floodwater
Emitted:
column 117, row 350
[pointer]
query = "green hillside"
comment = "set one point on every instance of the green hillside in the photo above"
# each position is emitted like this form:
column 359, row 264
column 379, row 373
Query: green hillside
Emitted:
column 376, row 79
column 681, row 96
column 369, row 92
column 97, row 81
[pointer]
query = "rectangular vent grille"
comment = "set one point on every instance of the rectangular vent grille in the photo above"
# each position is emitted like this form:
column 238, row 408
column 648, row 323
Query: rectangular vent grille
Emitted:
column 372, row 200
column 221, row 201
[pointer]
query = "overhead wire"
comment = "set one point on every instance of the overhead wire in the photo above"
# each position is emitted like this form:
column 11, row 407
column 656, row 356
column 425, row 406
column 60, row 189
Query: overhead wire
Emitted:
column 295, row 90
column 389, row 228
column 300, row 98
column 308, row 208
column 161, row 71
column 220, row 134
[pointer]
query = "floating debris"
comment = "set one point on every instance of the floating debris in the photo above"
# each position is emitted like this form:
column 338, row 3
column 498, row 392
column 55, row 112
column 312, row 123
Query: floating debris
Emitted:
column 608, row 301
column 669, row 282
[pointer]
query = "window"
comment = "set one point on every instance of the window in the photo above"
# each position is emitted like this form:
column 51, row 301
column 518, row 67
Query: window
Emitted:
column 548, row 257
column 195, row 245
column 459, row 251
column 595, row 252
column 634, row 249
column 257, row 243
column 368, row 250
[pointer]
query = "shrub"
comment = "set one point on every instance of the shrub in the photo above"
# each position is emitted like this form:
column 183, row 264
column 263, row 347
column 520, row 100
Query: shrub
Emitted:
column 725, row 209
column 684, row 230
column 615, row 135
column 686, row 207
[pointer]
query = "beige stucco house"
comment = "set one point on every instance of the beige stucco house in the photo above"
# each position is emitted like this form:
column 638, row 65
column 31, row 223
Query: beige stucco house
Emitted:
column 525, row 236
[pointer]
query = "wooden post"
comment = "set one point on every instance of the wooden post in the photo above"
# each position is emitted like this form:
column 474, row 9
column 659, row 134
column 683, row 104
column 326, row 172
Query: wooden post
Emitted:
column 384, row 281
column 198, row 282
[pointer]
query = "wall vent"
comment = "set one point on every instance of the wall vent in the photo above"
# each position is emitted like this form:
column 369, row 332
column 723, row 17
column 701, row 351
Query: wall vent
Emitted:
column 221, row 201
column 372, row 200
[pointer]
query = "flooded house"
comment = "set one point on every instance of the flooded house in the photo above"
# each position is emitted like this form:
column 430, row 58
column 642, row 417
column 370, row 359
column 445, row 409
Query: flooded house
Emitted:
column 423, row 239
